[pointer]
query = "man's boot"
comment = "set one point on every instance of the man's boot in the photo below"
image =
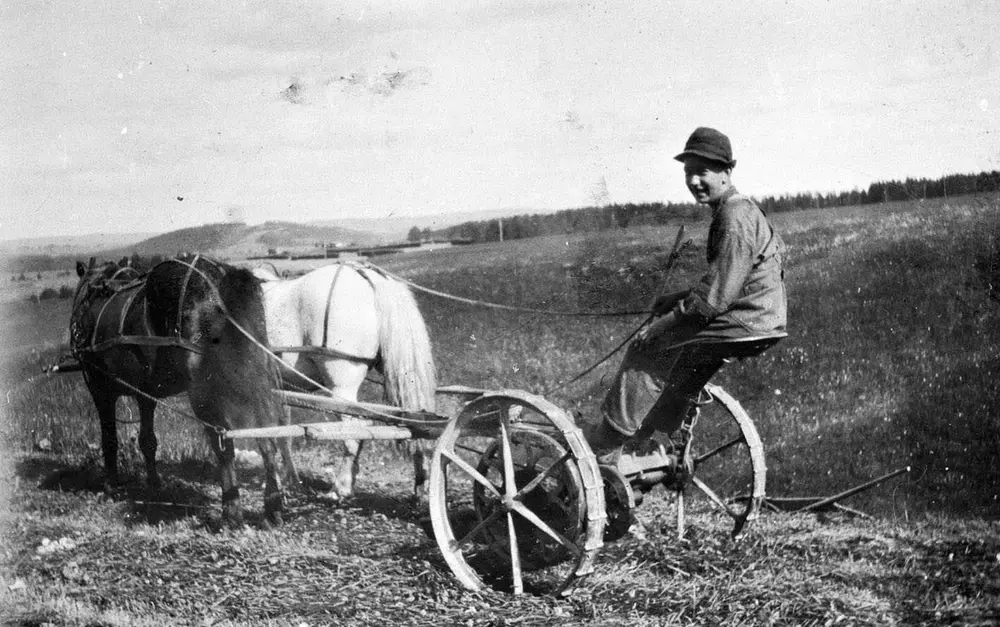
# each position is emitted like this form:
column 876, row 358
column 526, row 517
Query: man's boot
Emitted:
column 606, row 442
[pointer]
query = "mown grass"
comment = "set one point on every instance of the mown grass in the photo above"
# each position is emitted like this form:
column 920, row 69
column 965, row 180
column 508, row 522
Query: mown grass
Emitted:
column 892, row 361
column 120, row 562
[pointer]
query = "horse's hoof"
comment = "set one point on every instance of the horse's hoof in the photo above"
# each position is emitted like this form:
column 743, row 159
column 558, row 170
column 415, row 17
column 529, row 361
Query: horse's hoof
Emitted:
column 427, row 526
column 273, row 519
column 112, row 491
column 315, row 482
column 233, row 521
column 273, row 507
column 213, row 524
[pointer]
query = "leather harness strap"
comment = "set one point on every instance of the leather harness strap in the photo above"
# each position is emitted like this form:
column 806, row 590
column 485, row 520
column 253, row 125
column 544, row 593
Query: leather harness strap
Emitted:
column 143, row 340
column 150, row 339
column 323, row 349
column 329, row 303
column 180, row 300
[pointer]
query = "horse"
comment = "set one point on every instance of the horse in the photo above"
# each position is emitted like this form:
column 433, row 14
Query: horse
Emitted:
column 190, row 326
column 335, row 324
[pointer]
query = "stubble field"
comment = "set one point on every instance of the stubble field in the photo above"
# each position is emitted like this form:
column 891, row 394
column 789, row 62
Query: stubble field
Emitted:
column 891, row 362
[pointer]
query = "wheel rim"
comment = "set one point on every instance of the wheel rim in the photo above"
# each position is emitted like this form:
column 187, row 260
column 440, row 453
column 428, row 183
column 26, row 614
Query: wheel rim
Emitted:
column 620, row 504
column 727, row 460
column 515, row 496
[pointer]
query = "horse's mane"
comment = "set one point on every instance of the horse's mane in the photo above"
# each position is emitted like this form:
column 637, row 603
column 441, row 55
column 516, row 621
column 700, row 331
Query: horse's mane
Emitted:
column 221, row 308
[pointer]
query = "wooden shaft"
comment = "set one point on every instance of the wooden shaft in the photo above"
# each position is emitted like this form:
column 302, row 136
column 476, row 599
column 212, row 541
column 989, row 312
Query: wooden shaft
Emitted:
column 324, row 431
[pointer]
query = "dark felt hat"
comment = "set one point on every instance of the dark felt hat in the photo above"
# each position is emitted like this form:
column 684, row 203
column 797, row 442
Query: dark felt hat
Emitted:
column 709, row 144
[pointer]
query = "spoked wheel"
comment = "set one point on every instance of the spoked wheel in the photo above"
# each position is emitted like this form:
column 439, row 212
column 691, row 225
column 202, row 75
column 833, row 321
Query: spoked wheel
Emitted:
column 726, row 461
column 516, row 497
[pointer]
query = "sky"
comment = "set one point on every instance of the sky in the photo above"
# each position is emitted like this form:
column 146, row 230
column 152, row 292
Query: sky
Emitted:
column 150, row 116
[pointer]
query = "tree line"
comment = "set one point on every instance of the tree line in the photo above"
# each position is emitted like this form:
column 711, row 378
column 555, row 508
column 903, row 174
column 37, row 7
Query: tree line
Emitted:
column 569, row 221
column 640, row 214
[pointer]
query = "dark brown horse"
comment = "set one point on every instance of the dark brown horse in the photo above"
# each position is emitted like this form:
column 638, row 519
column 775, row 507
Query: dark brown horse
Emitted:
column 187, row 325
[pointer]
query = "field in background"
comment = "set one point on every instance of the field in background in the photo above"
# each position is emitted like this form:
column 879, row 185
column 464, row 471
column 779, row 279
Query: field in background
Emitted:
column 892, row 358
column 892, row 361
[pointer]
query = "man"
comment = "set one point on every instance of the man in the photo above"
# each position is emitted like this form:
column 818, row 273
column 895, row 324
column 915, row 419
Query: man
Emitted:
column 737, row 309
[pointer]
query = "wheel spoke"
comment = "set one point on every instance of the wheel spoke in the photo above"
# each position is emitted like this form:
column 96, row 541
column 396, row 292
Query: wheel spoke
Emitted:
column 469, row 449
column 481, row 453
column 472, row 472
column 509, row 485
column 710, row 493
column 534, row 483
column 515, row 556
column 486, row 522
column 533, row 518
column 717, row 450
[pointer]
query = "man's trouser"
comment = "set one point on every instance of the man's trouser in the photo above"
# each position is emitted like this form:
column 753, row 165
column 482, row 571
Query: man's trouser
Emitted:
column 657, row 384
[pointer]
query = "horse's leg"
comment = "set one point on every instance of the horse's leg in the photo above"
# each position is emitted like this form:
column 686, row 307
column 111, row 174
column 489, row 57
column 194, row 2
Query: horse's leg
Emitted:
column 421, row 451
column 274, row 497
column 105, row 404
column 285, row 444
column 225, row 453
column 147, row 440
column 344, row 378
column 344, row 475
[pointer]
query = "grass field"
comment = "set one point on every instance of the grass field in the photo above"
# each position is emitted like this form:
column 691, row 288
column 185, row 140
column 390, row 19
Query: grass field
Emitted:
column 892, row 361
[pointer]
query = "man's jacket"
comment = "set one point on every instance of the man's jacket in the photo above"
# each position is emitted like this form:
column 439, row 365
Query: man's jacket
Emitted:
column 743, row 292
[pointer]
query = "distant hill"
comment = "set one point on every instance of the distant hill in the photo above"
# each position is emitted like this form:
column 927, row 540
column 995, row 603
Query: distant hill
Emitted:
column 229, row 240
column 395, row 228
column 70, row 244
column 238, row 240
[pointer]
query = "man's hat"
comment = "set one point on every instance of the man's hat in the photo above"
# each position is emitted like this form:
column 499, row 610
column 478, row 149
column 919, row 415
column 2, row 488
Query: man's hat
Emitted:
column 709, row 144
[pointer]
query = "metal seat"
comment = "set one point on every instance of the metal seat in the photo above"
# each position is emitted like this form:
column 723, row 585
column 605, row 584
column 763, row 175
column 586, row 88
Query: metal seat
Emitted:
column 737, row 347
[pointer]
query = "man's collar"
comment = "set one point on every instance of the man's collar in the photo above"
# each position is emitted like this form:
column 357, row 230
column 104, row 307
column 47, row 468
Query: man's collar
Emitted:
column 729, row 193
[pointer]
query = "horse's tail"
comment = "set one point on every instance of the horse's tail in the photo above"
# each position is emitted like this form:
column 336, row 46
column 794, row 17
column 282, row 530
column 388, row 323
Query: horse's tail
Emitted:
column 405, row 347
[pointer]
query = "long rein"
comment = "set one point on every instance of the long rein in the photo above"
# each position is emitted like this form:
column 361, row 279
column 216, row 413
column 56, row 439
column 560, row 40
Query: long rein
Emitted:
column 678, row 247
column 680, row 243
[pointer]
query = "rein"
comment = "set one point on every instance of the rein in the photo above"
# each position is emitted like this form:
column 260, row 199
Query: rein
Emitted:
column 483, row 303
column 219, row 431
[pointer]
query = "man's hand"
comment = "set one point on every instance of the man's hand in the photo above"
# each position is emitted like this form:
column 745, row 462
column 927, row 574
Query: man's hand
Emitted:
column 664, row 303
column 654, row 330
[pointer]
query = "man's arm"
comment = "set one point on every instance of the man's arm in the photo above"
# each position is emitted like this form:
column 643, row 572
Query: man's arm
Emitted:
column 664, row 303
column 731, row 258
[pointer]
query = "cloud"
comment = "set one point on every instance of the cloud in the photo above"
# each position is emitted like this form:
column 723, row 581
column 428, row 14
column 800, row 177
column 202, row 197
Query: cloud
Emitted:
column 294, row 93
column 381, row 81
column 385, row 81
column 572, row 121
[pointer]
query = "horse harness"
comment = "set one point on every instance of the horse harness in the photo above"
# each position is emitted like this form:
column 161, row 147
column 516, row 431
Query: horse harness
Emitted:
column 324, row 350
column 114, row 287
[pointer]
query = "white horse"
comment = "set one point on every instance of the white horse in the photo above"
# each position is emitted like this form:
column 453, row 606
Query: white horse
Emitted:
column 357, row 318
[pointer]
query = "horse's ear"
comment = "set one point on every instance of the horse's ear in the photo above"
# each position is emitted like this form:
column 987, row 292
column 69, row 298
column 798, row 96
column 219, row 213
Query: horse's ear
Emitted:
column 92, row 264
column 124, row 263
column 80, row 269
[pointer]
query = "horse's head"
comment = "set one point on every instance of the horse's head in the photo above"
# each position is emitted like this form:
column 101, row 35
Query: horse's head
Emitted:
column 106, row 275
column 94, row 278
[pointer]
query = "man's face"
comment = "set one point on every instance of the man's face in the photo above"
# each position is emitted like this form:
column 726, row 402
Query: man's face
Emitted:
column 707, row 180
